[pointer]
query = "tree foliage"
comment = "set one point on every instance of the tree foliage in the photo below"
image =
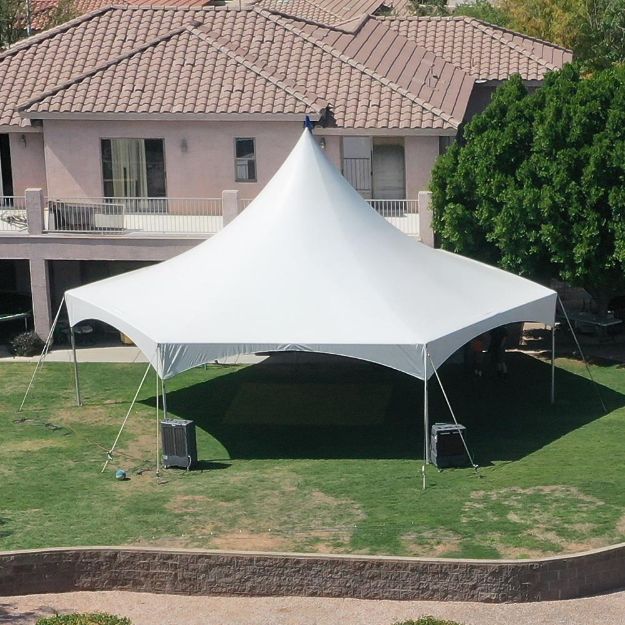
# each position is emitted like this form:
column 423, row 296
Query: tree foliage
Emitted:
column 485, row 11
column 536, row 183
column 16, row 17
column 593, row 29
column 12, row 20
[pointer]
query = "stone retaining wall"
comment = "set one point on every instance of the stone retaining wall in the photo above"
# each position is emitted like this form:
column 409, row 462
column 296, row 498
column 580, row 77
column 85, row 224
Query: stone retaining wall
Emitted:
column 255, row 574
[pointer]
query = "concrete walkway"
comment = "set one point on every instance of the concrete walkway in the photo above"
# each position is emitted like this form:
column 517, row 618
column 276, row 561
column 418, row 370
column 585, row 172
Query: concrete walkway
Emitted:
column 146, row 609
column 117, row 353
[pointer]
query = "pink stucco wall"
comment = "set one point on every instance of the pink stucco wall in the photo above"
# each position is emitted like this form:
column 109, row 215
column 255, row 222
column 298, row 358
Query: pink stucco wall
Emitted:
column 27, row 161
column 204, row 169
column 420, row 154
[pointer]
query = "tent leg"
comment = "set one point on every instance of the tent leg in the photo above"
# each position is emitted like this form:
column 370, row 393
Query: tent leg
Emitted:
column 76, row 378
column 158, row 454
column 553, row 364
column 164, row 392
column 426, row 415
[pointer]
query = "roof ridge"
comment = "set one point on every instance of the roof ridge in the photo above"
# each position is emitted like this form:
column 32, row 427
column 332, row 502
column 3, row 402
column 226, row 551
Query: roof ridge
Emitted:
column 369, row 72
column 487, row 25
column 490, row 30
column 46, row 34
column 102, row 66
column 309, row 99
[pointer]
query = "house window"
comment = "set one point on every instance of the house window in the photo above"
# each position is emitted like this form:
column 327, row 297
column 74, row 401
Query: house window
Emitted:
column 6, row 178
column 245, row 160
column 133, row 167
column 444, row 143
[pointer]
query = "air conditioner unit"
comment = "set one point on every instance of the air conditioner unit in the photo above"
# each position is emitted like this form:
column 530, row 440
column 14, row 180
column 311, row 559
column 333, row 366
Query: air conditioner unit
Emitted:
column 446, row 446
column 179, row 445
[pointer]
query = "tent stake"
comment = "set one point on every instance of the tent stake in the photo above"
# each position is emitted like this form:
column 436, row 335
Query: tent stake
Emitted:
column 76, row 378
column 44, row 353
column 553, row 364
column 581, row 353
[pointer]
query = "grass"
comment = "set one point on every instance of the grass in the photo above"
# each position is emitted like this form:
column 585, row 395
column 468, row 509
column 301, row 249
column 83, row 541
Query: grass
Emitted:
column 550, row 479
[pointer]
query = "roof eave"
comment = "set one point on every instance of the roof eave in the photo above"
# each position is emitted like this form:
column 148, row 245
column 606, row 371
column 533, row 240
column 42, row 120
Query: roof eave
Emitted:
column 265, row 117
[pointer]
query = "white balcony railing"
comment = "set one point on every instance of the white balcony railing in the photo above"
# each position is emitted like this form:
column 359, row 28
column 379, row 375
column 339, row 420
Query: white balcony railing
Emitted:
column 163, row 215
column 12, row 214
column 127, row 215
column 403, row 214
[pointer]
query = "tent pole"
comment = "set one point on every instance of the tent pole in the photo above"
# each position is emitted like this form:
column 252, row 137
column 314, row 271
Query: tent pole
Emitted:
column 164, row 392
column 76, row 378
column 553, row 364
column 44, row 353
column 158, row 460
column 426, row 415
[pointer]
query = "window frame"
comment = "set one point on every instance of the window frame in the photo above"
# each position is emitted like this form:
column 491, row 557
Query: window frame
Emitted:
column 237, row 159
column 144, row 139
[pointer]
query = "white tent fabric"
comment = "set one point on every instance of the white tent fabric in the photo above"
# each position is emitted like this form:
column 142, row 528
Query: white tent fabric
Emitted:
column 310, row 266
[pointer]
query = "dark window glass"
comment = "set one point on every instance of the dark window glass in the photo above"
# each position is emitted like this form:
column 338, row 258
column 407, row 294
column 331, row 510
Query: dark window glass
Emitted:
column 155, row 162
column 5, row 164
column 107, row 168
column 133, row 167
column 245, row 160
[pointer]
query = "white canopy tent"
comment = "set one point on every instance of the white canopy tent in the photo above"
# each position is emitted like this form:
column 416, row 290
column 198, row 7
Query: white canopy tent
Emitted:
column 310, row 266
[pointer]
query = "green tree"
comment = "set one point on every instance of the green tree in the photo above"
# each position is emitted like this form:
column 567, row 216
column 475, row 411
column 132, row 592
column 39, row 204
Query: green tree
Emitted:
column 16, row 17
column 536, row 183
column 485, row 11
column 12, row 21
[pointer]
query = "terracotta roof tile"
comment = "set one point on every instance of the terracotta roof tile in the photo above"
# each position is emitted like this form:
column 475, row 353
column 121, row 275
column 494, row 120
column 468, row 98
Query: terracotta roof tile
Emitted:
column 371, row 73
column 484, row 51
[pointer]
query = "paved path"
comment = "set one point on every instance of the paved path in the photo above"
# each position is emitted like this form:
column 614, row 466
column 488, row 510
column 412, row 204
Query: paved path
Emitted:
column 117, row 353
column 146, row 609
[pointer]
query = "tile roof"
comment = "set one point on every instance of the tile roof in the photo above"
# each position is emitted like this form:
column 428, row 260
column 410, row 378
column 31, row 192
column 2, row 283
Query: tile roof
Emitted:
column 363, row 72
column 42, row 10
column 247, row 62
column 482, row 50
column 184, row 71
column 329, row 12
column 40, row 63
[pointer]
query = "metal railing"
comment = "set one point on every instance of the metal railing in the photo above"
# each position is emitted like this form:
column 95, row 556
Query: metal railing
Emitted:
column 403, row 214
column 127, row 215
column 13, row 214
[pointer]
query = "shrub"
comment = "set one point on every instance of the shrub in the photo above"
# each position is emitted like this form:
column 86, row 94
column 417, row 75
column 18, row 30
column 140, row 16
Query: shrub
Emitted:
column 26, row 344
column 428, row 620
column 84, row 619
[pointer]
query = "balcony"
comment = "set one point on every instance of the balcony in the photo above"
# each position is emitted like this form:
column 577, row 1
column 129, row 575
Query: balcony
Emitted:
column 13, row 215
column 155, row 216
column 134, row 215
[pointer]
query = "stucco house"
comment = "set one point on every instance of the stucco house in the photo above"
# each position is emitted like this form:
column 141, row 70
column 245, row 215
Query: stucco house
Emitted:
column 131, row 133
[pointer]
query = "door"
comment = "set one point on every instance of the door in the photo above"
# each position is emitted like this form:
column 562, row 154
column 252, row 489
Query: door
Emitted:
column 389, row 176
column 357, row 163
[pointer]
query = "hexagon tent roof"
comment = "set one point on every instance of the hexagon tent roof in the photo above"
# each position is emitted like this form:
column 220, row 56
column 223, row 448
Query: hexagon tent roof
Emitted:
column 310, row 266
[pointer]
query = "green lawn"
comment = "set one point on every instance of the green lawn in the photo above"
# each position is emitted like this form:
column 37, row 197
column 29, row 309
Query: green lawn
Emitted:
column 315, row 458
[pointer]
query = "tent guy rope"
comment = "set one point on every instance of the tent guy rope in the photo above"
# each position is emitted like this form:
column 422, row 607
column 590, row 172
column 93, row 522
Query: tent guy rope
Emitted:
column 44, row 353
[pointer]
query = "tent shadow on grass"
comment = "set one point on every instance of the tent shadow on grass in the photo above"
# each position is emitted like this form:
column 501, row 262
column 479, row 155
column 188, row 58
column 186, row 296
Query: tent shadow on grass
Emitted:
column 268, row 411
